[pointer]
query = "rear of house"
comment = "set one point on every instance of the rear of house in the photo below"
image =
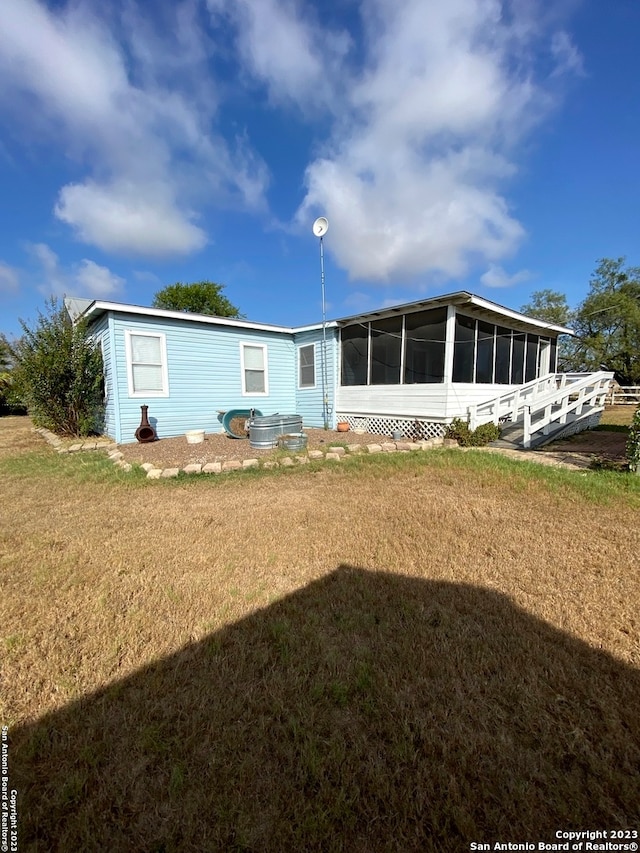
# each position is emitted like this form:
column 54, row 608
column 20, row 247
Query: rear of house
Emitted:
column 412, row 367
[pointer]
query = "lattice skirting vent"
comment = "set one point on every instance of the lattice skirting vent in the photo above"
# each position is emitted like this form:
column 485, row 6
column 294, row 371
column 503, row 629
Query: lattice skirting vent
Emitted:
column 386, row 425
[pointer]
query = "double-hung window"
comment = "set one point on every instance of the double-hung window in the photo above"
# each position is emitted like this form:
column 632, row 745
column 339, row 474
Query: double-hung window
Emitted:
column 307, row 366
column 254, row 369
column 147, row 364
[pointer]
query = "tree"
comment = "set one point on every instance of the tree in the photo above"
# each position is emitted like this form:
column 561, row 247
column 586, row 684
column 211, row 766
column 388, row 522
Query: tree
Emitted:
column 58, row 373
column 607, row 323
column 6, row 379
column 548, row 305
column 201, row 297
column 551, row 306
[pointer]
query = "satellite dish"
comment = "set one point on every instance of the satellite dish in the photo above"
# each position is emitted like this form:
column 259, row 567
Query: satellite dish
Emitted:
column 320, row 226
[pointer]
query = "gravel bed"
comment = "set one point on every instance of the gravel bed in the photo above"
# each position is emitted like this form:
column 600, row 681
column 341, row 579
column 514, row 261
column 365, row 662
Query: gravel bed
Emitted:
column 219, row 447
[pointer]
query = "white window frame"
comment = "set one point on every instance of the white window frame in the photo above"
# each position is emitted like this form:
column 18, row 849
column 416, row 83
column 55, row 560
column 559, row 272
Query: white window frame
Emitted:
column 164, row 392
column 265, row 367
column 314, row 384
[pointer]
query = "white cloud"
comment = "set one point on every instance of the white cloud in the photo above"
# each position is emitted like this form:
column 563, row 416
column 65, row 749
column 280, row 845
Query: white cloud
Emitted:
column 284, row 44
column 412, row 184
column 116, row 218
column 9, row 279
column 93, row 280
column 425, row 132
column 496, row 276
column 85, row 278
column 423, row 106
column 135, row 108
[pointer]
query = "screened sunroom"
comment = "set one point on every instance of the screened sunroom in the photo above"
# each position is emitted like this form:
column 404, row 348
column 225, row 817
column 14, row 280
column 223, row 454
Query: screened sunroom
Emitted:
column 430, row 360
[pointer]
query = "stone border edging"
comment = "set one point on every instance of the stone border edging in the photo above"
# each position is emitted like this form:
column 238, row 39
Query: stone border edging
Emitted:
column 332, row 454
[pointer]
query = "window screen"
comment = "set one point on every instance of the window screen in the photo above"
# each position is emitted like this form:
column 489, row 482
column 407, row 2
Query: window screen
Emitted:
column 503, row 355
column 485, row 350
column 425, row 334
column 517, row 360
column 531, row 365
column 354, row 354
column 386, row 350
column 464, row 349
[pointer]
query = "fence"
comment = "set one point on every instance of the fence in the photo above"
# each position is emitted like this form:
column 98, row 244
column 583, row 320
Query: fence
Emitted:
column 618, row 395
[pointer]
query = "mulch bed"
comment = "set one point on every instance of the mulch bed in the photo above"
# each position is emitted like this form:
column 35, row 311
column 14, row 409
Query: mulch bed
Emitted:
column 219, row 447
column 607, row 445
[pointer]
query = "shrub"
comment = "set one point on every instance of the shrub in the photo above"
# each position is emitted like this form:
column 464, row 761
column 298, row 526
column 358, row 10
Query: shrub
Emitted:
column 58, row 374
column 633, row 442
column 466, row 437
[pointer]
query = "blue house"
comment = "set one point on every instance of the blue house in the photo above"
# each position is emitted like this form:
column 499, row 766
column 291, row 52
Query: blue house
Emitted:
column 413, row 367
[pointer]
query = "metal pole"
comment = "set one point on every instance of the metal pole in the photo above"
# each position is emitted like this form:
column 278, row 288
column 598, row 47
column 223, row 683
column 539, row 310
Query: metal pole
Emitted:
column 325, row 396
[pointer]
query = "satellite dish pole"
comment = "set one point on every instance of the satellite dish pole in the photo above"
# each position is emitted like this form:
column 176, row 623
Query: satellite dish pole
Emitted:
column 320, row 228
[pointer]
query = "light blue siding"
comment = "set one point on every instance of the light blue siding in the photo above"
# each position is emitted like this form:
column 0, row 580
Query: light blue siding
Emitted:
column 309, row 400
column 204, row 375
column 101, row 334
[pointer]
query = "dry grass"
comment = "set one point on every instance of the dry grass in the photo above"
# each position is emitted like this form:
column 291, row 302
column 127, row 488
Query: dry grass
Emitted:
column 401, row 653
column 617, row 416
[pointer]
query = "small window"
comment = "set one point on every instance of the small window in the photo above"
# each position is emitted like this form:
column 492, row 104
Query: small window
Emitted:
column 307, row 366
column 253, row 359
column 147, row 364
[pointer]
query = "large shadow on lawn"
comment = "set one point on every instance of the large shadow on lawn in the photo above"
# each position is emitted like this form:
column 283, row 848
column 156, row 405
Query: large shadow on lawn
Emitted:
column 365, row 712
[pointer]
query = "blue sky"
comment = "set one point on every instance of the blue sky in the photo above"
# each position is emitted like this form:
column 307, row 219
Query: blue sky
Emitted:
column 452, row 144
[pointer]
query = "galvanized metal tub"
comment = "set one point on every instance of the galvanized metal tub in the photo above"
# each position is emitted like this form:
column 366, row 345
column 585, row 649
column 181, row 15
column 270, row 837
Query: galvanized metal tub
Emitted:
column 294, row 442
column 265, row 431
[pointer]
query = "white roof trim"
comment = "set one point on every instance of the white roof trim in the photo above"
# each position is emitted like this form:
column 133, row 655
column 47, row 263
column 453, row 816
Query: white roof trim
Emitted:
column 459, row 298
column 517, row 315
column 97, row 306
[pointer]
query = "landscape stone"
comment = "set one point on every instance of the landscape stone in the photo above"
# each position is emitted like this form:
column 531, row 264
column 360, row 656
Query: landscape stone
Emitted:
column 170, row 472
column 388, row 446
column 315, row 454
column 333, row 457
column 250, row 463
column 374, row 448
column 231, row 465
column 154, row 474
column 339, row 450
column 193, row 468
column 212, row 468
column 146, row 466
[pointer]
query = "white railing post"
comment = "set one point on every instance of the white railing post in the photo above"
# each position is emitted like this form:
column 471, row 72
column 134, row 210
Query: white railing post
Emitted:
column 526, row 427
column 473, row 416
column 516, row 405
